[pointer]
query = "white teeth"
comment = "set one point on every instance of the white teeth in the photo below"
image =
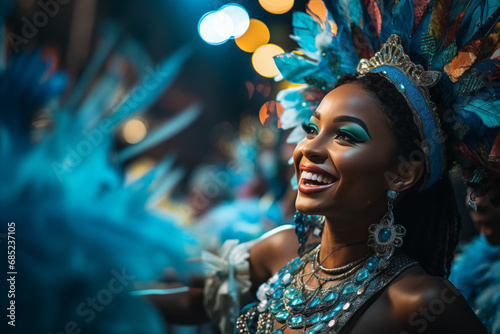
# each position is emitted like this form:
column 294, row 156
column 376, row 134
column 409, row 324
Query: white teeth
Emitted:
column 315, row 177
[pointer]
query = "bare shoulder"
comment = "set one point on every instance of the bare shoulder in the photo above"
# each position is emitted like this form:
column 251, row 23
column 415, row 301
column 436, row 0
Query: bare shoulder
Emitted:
column 271, row 254
column 416, row 302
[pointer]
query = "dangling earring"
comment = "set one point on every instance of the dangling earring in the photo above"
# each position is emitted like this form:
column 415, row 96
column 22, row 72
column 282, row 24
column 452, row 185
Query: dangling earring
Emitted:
column 304, row 225
column 386, row 236
column 472, row 201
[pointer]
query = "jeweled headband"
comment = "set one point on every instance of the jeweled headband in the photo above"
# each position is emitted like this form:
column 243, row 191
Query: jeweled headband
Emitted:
column 412, row 81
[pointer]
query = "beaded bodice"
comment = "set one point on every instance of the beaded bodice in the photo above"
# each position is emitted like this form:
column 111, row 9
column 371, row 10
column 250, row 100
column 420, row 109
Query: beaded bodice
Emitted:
column 286, row 300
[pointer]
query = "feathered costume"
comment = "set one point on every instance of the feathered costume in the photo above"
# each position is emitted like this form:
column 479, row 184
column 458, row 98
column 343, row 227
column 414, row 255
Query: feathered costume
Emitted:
column 82, row 236
column 476, row 273
column 415, row 45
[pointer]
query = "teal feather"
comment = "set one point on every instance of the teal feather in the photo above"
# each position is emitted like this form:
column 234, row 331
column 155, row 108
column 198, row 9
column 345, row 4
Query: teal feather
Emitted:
column 111, row 33
column 294, row 68
column 488, row 111
column 151, row 85
column 305, row 30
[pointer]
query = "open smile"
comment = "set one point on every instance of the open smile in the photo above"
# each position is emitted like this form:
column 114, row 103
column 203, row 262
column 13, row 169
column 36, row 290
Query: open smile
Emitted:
column 314, row 179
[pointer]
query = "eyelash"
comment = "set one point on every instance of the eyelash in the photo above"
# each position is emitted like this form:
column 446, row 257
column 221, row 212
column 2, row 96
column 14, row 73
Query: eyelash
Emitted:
column 339, row 134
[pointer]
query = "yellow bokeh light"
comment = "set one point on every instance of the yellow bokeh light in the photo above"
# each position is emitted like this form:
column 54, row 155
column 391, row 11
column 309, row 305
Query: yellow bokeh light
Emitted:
column 263, row 62
column 256, row 35
column 134, row 131
column 276, row 6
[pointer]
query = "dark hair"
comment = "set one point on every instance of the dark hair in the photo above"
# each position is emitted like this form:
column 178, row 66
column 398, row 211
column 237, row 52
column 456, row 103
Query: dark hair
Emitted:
column 431, row 216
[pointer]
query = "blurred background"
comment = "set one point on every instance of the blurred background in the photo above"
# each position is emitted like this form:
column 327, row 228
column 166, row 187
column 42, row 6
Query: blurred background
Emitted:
column 203, row 161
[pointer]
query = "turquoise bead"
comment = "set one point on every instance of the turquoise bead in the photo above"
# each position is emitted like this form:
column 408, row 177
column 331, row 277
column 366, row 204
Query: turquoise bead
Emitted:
column 297, row 301
column 297, row 319
column 278, row 294
column 331, row 296
column 291, row 293
column 338, row 307
column 276, row 306
column 282, row 316
column 372, row 263
column 384, row 234
column 316, row 317
column 278, row 331
column 328, row 316
column 348, row 288
column 362, row 275
column 316, row 329
column 315, row 302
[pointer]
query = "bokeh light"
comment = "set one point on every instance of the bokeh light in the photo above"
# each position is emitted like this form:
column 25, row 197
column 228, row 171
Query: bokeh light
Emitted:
column 239, row 17
column 134, row 131
column 256, row 35
column 215, row 27
column 271, row 110
column 263, row 62
column 276, row 6
column 317, row 9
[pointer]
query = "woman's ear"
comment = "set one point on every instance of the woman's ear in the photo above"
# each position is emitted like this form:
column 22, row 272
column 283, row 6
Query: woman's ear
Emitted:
column 405, row 175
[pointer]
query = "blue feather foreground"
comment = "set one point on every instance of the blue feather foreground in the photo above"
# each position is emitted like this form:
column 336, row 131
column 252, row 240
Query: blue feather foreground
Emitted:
column 476, row 273
column 83, row 237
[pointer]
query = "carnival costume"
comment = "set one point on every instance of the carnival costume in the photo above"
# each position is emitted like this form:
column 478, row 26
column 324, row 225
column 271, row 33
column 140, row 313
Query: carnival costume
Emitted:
column 476, row 273
column 415, row 45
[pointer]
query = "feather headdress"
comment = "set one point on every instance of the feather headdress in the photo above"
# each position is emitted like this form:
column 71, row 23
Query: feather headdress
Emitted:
column 458, row 39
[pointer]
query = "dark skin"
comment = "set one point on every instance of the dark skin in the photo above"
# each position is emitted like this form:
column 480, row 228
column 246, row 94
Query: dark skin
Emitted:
column 357, row 163
column 486, row 218
column 359, row 156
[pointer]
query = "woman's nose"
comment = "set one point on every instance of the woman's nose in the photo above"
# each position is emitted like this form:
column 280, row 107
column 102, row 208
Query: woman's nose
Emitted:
column 314, row 150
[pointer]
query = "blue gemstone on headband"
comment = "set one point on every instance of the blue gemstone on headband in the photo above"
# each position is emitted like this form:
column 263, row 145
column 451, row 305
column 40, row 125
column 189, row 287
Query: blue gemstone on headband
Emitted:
column 401, row 86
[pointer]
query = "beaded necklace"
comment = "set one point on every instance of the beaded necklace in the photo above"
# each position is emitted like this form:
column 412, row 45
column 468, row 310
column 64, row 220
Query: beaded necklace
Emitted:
column 287, row 301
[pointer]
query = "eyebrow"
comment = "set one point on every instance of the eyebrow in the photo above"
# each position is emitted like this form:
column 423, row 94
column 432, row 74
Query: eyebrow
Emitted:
column 351, row 119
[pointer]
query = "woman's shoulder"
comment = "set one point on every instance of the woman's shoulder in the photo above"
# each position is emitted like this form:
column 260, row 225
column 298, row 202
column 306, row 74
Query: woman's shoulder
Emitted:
column 417, row 302
column 271, row 253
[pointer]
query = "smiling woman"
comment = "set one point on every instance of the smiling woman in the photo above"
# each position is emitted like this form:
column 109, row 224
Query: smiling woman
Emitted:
column 374, row 164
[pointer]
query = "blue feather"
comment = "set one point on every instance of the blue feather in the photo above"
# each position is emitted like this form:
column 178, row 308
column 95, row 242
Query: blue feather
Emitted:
column 305, row 30
column 151, row 85
column 294, row 68
column 111, row 34
column 401, row 22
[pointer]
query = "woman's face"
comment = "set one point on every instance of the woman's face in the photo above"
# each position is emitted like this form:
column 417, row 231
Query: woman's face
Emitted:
column 343, row 162
column 486, row 218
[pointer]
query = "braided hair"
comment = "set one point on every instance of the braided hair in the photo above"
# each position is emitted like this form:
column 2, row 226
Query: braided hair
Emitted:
column 431, row 216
